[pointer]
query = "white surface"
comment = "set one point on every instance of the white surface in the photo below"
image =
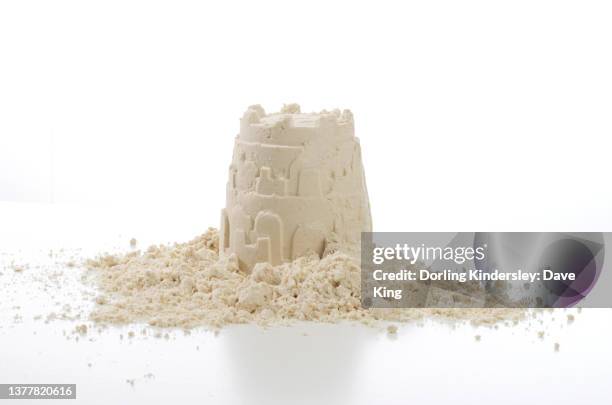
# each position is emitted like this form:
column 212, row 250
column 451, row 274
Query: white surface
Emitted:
column 306, row 363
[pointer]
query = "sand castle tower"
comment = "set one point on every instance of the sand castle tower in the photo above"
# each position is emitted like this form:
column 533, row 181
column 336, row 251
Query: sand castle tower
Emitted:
column 296, row 185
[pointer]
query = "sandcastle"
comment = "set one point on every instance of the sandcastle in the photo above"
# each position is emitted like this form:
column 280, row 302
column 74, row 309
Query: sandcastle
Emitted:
column 296, row 185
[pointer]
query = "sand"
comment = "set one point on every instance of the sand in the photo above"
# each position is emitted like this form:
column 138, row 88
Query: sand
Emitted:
column 189, row 285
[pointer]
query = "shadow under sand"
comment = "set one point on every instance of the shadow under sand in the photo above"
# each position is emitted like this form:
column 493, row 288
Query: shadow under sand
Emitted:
column 294, row 364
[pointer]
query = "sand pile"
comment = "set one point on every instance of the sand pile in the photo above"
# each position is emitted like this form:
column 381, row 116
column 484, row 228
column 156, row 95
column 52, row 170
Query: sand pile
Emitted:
column 189, row 284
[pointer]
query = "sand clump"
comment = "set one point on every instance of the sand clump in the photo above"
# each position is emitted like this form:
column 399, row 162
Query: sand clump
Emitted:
column 189, row 285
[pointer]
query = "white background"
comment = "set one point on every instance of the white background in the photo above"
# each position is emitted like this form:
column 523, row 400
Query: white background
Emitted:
column 473, row 115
